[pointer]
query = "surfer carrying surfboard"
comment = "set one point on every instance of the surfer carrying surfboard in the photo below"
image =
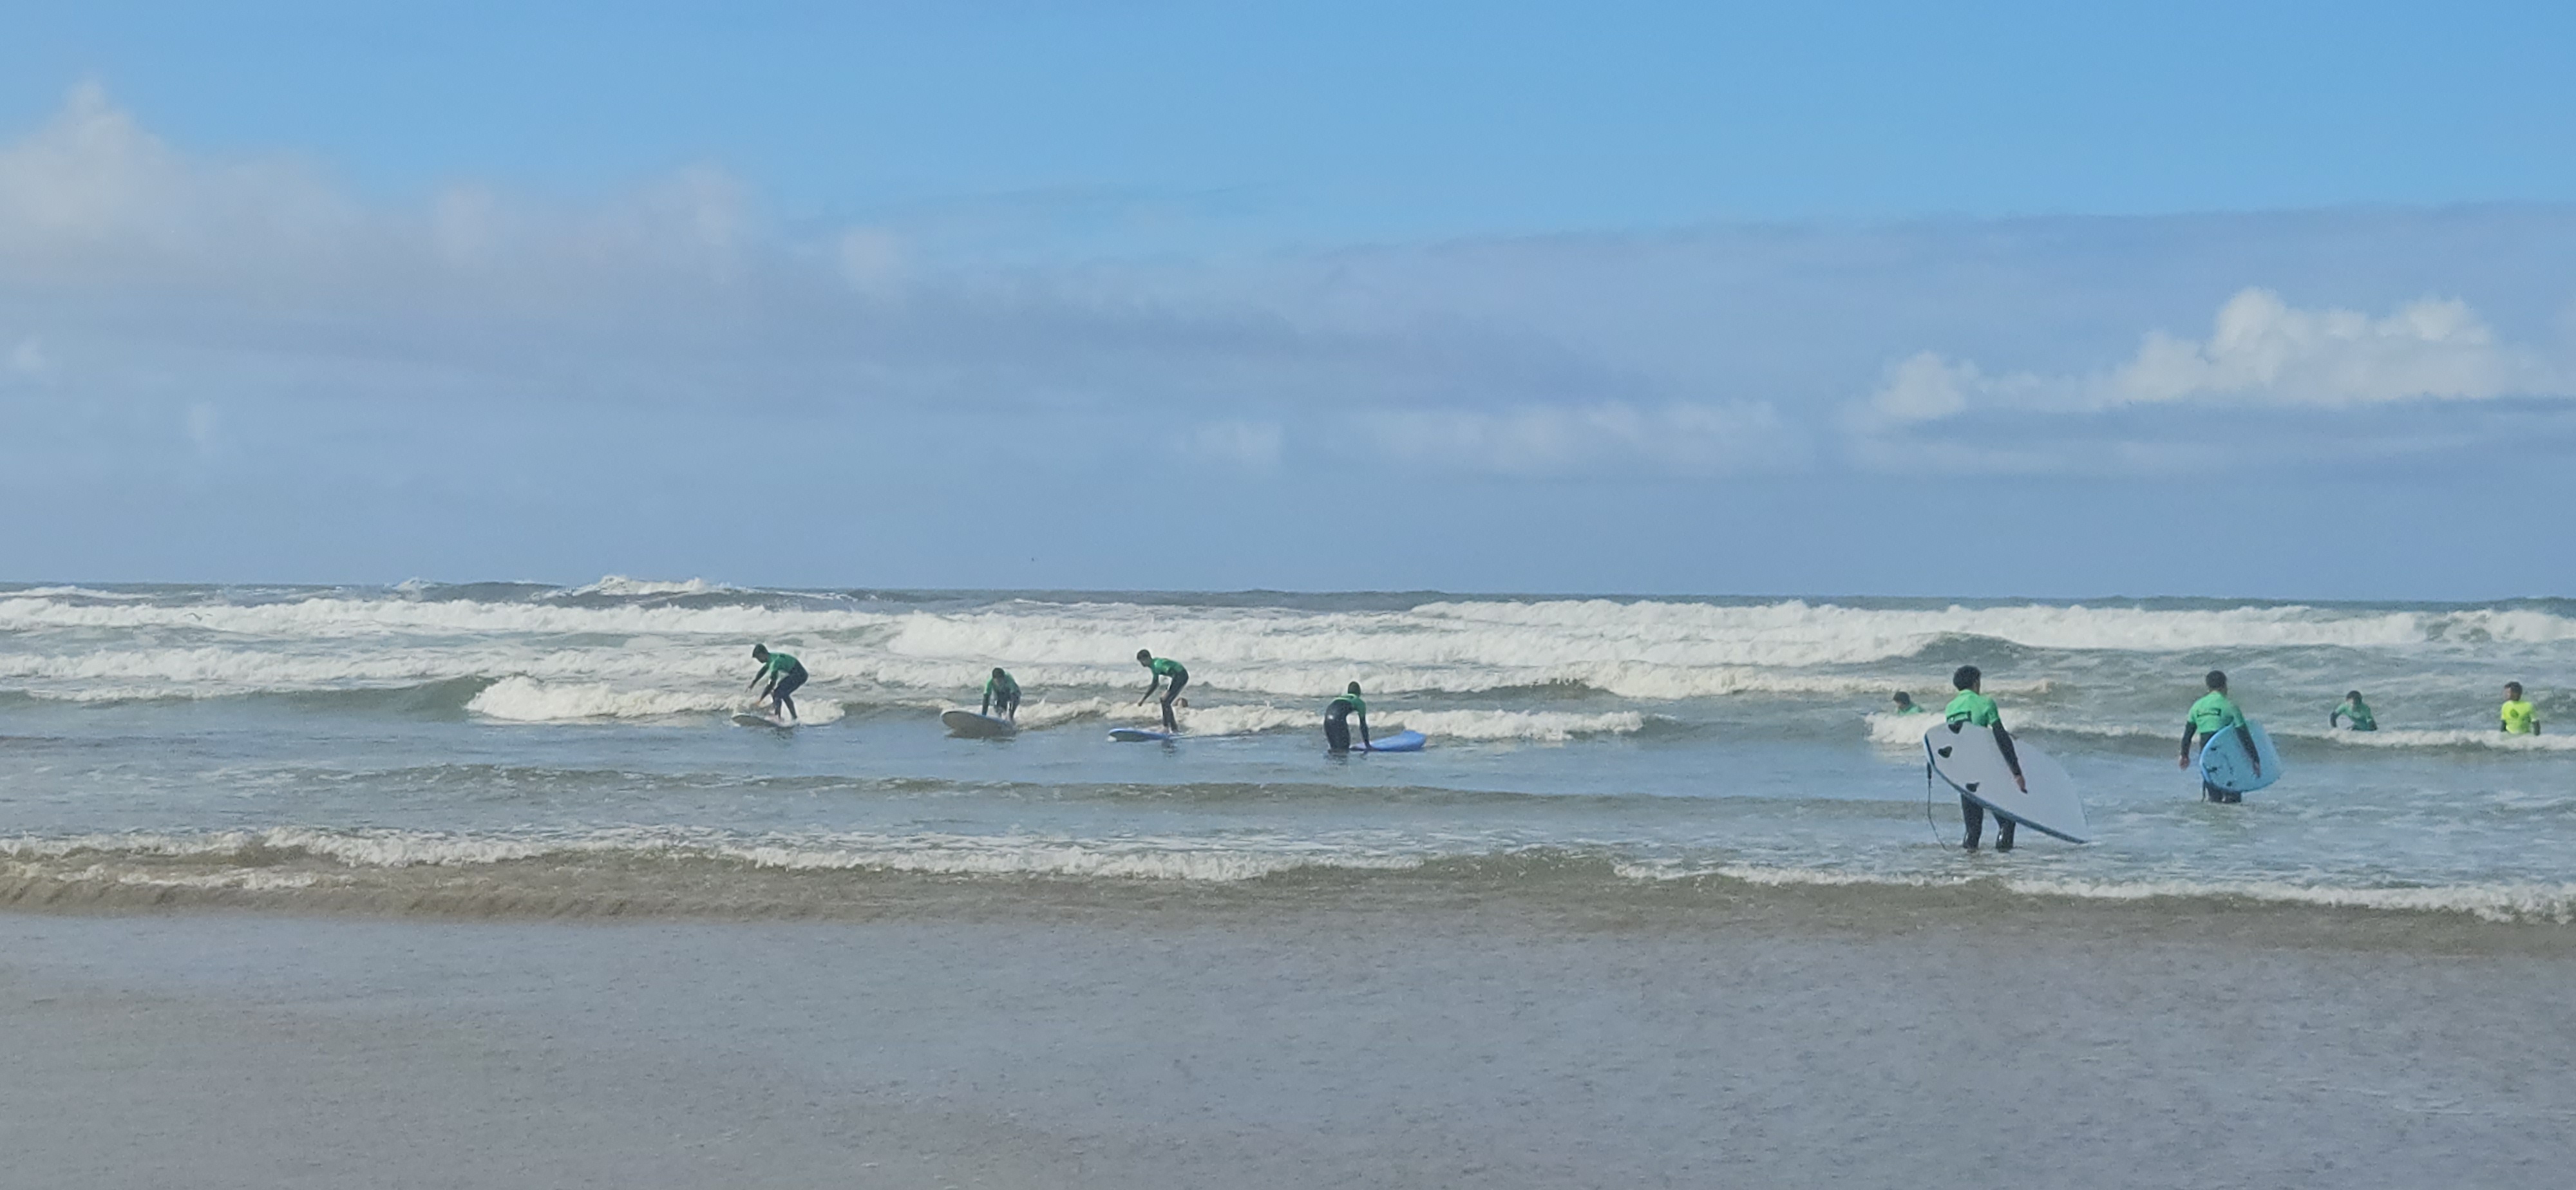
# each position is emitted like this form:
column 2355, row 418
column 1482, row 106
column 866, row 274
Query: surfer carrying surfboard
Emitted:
column 1001, row 695
column 1337, row 719
column 784, row 674
column 2214, row 713
column 1972, row 707
column 1163, row 667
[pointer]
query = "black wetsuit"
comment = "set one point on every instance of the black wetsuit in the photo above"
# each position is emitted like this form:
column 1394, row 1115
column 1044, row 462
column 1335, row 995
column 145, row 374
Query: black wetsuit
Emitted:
column 1337, row 722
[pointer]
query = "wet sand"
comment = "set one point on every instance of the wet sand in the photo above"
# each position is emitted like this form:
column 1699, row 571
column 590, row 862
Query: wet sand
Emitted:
column 1326, row 1041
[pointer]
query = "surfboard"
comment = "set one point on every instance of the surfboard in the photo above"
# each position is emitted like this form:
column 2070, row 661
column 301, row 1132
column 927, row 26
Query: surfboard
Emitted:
column 748, row 720
column 975, row 726
column 1402, row 741
column 1969, row 761
column 2225, row 763
column 1139, row 735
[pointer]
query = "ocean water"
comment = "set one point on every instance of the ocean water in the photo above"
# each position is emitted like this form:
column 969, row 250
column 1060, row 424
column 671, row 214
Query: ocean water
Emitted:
column 509, row 747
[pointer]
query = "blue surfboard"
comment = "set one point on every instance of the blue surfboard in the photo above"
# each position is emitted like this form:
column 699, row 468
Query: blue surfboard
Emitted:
column 1141, row 735
column 2225, row 764
column 1402, row 741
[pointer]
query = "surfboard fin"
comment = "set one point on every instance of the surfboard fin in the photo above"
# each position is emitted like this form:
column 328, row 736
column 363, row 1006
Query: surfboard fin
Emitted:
column 1945, row 754
column 1972, row 786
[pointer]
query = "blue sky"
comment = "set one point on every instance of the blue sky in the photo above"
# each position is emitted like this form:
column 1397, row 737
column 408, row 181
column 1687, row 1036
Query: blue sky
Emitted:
column 1906, row 299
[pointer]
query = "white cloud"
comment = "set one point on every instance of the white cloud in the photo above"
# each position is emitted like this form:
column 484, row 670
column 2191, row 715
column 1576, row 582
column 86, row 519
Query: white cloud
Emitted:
column 1255, row 444
column 2261, row 351
column 1608, row 437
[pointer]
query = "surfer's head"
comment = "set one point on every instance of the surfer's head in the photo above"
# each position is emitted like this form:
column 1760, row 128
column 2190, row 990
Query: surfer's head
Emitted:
column 2513, row 690
column 1967, row 677
column 1144, row 656
column 1354, row 688
column 1903, row 699
column 760, row 652
column 998, row 675
column 2352, row 696
column 2217, row 679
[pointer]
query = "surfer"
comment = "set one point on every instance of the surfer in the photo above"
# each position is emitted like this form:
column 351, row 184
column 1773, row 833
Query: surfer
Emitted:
column 2517, row 716
column 2214, row 713
column 1337, row 719
column 2354, row 711
column 784, row 674
column 1905, row 705
column 1163, row 667
column 1001, row 696
column 1972, row 707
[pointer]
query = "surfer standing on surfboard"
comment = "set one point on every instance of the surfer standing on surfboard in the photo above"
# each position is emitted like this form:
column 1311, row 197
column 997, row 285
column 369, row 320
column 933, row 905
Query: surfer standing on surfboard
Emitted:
column 784, row 674
column 2214, row 713
column 1975, row 709
column 1163, row 667
column 1001, row 696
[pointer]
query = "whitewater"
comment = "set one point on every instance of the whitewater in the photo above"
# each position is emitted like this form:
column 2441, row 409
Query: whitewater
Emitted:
column 507, row 744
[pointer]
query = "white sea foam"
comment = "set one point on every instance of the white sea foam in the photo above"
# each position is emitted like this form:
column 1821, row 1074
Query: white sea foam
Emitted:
column 618, row 585
column 2499, row 902
column 527, row 700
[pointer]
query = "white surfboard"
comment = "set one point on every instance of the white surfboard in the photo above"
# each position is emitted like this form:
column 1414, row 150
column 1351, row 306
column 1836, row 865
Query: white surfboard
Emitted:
column 1968, row 760
column 975, row 726
column 750, row 720
column 1142, row 735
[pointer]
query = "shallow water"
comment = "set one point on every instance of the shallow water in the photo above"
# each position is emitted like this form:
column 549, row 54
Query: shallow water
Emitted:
column 495, row 739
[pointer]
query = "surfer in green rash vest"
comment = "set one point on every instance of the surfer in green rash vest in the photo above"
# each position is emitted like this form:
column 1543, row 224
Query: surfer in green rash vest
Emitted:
column 2214, row 713
column 784, row 674
column 1905, row 705
column 1337, row 719
column 2517, row 716
column 1973, row 708
column 1001, row 696
column 1163, row 667
column 2353, row 711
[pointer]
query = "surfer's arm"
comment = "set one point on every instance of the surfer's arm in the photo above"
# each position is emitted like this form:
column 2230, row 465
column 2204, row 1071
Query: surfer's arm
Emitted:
column 2012, row 760
column 1364, row 737
column 2189, row 730
column 1150, row 688
column 2252, row 753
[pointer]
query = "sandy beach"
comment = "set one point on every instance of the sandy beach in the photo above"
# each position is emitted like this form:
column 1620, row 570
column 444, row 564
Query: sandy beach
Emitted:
column 1351, row 1039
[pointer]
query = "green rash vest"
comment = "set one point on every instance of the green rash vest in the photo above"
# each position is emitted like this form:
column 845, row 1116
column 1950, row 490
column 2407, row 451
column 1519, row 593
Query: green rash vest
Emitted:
column 1001, row 685
column 1358, row 707
column 1977, row 709
column 2358, row 714
column 1912, row 709
column 1165, row 667
column 779, row 663
column 2519, row 717
column 2214, row 713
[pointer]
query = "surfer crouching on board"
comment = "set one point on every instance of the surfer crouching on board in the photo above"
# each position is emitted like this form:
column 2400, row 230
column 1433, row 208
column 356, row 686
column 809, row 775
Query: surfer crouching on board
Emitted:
column 1163, row 667
column 1975, row 709
column 784, row 674
column 2214, row 713
column 1001, row 696
column 1337, row 720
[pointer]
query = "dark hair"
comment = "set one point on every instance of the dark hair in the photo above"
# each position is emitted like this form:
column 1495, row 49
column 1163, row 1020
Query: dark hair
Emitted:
column 2354, row 695
column 2217, row 679
column 760, row 652
column 1903, row 699
column 997, row 671
column 1355, row 687
column 2516, row 687
column 1966, row 677
column 1144, row 654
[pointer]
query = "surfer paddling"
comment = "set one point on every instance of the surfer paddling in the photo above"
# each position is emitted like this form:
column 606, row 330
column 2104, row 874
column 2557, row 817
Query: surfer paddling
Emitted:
column 784, row 674
column 2214, row 713
column 1337, row 720
column 1163, row 667
column 1001, row 696
column 1973, row 708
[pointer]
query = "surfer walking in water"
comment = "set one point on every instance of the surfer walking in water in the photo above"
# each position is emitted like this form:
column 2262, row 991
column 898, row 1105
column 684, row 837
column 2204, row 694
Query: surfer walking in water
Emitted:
column 1163, row 667
column 1001, row 696
column 2214, row 713
column 2517, row 716
column 1337, row 719
column 1973, row 708
column 2353, row 711
column 784, row 674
